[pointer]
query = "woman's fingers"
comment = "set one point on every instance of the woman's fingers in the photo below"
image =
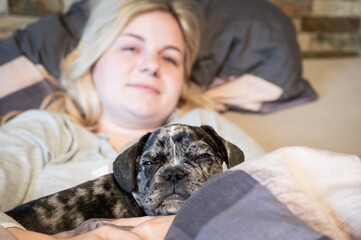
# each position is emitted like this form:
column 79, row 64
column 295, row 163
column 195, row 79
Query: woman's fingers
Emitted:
column 155, row 228
column 135, row 221
column 108, row 233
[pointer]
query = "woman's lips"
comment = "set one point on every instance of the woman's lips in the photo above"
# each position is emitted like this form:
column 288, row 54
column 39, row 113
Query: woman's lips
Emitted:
column 144, row 88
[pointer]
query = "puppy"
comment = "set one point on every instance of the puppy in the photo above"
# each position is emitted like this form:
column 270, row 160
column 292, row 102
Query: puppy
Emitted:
column 155, row 176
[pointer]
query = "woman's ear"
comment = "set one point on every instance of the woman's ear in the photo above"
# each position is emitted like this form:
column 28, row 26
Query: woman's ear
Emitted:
column 126, row 165
column 234, row 155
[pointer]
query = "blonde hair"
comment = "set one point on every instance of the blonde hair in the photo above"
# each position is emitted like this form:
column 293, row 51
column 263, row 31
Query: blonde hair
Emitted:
column 107, row 19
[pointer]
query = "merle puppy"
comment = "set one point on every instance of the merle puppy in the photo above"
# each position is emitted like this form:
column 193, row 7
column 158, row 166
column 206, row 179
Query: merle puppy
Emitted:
column 155, row 176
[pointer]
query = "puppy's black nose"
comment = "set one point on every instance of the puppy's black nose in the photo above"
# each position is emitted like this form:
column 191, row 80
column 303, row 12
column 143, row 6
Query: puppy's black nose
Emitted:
column 173, row 174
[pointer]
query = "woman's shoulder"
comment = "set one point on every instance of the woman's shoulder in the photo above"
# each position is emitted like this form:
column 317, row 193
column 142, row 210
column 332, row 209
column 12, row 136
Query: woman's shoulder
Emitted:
column 224, row 127
column 40, row 121
column 37, row 116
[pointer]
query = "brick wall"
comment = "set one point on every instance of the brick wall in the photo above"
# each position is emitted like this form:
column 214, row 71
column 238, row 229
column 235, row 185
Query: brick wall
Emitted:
column 17, row 14
column 326, row 28
column 34, row 7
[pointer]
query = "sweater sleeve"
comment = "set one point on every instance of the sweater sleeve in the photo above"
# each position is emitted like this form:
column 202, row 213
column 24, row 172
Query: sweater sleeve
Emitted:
column 28, row 143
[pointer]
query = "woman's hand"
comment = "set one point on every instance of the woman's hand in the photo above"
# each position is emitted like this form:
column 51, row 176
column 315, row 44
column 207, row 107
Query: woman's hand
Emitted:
column 107, row 233
column 146, row 228
column 155, row 228
column 102, row 233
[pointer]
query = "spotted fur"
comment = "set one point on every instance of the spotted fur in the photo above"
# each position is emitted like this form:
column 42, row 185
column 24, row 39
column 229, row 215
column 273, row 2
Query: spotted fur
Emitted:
column 155, row 176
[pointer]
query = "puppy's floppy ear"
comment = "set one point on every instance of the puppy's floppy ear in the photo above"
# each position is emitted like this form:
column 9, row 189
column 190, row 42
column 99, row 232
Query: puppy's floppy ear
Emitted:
column 125, row 166
column 234, row 154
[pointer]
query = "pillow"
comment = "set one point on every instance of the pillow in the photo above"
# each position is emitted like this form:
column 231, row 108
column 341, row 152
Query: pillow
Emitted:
column 290, row 193
column 233, row 205
column 251, row 46
column 249, row 58
column 29, row 59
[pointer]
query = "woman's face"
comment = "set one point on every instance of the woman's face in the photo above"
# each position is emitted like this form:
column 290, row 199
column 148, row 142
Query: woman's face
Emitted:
column 139, row 77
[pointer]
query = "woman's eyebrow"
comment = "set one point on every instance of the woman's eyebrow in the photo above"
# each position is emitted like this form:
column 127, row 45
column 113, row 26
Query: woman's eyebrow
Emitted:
column 167, row 47
column 172, row 48
column 132, row 35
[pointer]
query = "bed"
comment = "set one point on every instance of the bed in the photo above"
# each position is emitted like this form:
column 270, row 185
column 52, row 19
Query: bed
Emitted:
column 251, row 65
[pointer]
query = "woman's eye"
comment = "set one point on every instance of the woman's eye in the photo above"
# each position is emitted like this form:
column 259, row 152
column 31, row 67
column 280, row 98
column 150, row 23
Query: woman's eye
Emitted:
column 129, row 49
column 171, row 60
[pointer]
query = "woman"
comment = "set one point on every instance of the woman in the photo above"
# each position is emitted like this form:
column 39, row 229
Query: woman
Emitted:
column 125, row 78
column 151, row 65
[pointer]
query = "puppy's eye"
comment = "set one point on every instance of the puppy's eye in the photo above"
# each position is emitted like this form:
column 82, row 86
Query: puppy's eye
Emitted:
column 147, row 163
column 204, row 155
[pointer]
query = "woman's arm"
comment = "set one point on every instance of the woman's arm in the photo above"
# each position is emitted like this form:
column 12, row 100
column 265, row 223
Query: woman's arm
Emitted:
column 146, row 228
column 28, row 143
column 102, row 233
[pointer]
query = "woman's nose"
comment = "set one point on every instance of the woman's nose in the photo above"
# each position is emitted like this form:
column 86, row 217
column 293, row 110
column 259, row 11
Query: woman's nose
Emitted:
column 150, row 65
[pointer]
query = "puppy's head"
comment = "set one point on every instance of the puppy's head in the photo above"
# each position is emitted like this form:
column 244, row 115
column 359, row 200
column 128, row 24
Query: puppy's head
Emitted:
column 165, row 167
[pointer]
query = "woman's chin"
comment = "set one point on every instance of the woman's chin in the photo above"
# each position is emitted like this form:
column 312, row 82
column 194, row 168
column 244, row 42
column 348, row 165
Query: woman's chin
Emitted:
column 152, row 110
column 150, row 116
